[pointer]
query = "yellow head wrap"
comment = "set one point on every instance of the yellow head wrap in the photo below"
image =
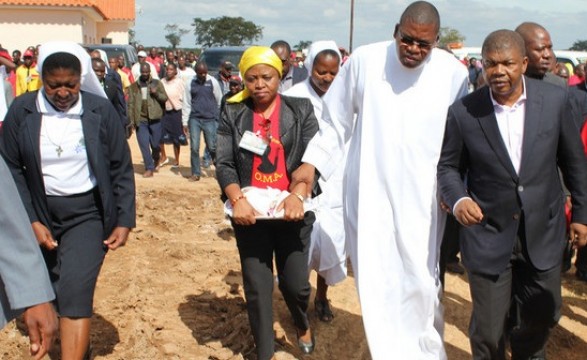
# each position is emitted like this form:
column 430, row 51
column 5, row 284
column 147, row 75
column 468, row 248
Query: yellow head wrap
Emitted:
column 253, row 56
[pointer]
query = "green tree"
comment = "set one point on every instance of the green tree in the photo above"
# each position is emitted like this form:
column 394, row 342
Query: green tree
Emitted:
column 579, row 45
column 226, row 31
column 303, row 44
column 174, row 34
column 448, row 36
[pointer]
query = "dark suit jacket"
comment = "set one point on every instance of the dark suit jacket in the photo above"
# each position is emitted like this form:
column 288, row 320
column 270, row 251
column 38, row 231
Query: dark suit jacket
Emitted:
column 108, row 156
column 297, row 126
column 114, row 94
column 299, row 75
column 472, row 141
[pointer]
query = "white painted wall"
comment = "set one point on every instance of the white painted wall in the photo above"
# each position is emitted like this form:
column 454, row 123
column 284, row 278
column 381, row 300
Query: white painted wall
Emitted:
column 25, row 26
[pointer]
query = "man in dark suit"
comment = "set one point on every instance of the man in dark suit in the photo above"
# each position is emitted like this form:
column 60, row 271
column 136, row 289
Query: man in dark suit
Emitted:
column 291, row 74
column 111, row 89
column 509, row 138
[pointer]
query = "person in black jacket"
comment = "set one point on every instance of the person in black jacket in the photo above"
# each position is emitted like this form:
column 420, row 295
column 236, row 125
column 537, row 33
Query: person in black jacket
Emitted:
column 71, row 164
column 111, row 89
column 284, row 125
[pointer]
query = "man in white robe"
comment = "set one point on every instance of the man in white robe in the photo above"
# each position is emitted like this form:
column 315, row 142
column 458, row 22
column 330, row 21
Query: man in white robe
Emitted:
column 399, row 92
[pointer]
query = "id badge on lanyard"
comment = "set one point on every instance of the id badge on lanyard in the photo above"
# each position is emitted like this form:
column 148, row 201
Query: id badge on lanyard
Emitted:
column 253, row 142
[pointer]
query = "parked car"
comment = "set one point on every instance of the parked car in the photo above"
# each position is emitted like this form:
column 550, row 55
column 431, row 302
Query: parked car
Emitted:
column 215, row 56
column 128, row 51
column 570, row 57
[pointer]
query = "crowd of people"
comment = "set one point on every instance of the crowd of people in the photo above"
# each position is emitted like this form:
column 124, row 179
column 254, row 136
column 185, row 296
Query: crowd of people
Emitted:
column 397, row 149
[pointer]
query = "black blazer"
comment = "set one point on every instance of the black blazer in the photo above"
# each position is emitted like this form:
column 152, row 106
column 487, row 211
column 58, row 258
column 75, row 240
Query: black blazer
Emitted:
column 114, row 94
column 297, row 126
column 108, row 155
column 298, row 75
column 472, row 141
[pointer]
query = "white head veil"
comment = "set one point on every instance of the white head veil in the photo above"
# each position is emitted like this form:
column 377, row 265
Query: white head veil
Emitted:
column 89, row 80
column 315, row 49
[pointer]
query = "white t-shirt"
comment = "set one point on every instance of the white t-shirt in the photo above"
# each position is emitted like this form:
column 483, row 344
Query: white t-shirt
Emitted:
column 64, row 160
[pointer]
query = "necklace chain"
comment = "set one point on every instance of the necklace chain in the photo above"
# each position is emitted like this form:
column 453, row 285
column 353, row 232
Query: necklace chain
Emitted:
column 58, row 148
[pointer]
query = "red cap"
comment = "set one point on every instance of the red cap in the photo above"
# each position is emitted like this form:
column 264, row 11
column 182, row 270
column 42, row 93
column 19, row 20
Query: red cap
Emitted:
column 235, row 79
column 28, row 53
column 5, row 54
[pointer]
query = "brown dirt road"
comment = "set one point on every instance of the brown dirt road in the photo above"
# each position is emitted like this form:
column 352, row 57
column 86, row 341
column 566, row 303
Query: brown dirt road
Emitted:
column 174, row 292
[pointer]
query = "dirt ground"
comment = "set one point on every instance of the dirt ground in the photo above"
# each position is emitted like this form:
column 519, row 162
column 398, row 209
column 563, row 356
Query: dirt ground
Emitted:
column 175, row 291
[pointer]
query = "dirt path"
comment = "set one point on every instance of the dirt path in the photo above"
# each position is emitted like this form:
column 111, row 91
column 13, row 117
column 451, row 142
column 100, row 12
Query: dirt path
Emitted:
column 174, row 292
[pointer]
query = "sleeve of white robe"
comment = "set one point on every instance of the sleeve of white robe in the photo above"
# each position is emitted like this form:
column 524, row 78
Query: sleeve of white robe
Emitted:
column 326, row 149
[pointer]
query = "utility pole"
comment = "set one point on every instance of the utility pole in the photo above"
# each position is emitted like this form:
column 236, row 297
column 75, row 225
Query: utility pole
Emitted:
column 352, row 26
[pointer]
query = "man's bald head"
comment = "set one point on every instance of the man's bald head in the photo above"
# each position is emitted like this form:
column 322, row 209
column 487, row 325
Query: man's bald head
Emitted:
column 528, row 29
column 538, row 48
column 421, row 12
column 501, row 40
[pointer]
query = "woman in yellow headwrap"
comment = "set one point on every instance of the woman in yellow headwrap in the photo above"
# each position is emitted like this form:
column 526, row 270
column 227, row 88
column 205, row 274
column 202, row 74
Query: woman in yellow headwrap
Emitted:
column 261, row 139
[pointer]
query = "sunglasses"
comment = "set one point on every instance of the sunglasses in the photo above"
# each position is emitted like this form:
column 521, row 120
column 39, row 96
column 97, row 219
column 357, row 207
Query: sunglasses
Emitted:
column 409, row 41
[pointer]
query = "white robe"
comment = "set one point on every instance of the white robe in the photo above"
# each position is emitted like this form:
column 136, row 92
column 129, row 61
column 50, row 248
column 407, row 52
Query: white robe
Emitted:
column 392, row 219
column 327, row 253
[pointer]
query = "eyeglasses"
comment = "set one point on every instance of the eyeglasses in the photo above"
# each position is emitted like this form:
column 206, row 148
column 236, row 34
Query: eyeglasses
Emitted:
column 409, row 41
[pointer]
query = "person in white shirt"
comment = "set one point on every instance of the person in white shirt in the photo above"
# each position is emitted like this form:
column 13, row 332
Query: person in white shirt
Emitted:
column 510, row 138
column 327, row 249
column 390, row 100
column 72, row 167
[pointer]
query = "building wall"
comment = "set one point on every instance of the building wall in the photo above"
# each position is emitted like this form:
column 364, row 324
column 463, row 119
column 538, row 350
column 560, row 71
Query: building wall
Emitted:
column 117, row 31
column 22, row 27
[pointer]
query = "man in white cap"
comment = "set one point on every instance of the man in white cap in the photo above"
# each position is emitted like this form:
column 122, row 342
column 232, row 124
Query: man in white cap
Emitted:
column 136, row 68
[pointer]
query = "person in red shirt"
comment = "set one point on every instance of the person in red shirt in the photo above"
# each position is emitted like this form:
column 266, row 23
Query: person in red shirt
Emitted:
column 281, row 126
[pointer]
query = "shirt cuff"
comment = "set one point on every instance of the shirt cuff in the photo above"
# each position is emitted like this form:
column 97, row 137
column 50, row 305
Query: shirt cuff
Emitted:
column 458, row 201
column 320, row 159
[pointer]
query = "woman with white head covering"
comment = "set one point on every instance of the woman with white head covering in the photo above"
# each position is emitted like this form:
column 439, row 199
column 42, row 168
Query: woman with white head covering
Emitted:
column 68, row 154
column 327, row 249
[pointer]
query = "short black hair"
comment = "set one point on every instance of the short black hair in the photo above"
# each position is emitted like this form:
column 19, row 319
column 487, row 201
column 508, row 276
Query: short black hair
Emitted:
column 61, row 60
column 281, row 43
column 503, row 39
column 421, row 12
column 324, row 53
column 98, row 61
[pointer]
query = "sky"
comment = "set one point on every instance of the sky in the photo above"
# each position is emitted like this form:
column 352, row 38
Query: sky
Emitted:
column 374, row 20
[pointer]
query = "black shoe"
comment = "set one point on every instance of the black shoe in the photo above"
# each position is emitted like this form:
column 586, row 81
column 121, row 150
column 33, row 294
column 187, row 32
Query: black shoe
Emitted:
column 323, row 311
column 307, row 348
column 581, row 275
column 455, row 268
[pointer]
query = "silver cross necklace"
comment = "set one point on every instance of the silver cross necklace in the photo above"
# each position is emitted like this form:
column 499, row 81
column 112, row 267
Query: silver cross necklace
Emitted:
column 58, row 148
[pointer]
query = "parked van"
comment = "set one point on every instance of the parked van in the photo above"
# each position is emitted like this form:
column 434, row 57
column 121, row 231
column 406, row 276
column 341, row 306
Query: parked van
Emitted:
column 128, row 51
column 215, row 56
column 571, row 57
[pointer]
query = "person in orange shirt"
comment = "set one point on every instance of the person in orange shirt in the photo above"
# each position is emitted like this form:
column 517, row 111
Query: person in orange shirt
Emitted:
column 27, row 76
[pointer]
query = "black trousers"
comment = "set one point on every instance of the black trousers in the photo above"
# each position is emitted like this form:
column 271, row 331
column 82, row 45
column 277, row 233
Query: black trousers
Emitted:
column 536, row 296
column 289, row 241
column 449, row 249
column 581, row 261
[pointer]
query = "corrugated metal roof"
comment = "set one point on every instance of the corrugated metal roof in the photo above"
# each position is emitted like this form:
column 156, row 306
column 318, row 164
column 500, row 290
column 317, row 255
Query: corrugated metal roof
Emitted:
column 110, row 9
